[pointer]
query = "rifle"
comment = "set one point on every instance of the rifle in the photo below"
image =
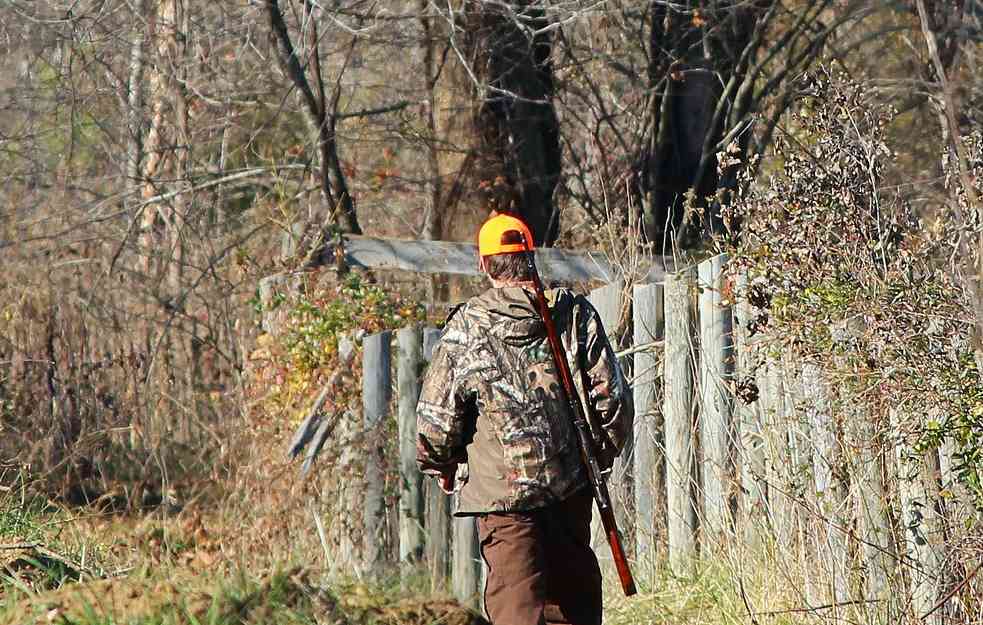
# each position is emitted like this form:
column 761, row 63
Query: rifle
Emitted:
column 587, row 452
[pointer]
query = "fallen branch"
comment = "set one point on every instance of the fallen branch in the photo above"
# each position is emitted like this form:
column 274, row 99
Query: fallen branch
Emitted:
column 315, row 429
column 20, row 546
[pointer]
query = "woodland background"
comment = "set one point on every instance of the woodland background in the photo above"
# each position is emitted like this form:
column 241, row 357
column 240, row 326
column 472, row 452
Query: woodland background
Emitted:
column 160, row 157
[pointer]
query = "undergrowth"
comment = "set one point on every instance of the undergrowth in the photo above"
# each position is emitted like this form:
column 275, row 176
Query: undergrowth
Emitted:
column 22, row 513
column 873, row 287
column 851, row 274
column 718, row 592
column 316, row 348
column 288, row 367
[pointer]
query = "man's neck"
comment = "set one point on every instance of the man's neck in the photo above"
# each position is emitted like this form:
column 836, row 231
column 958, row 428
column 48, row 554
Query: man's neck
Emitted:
column 501, row 284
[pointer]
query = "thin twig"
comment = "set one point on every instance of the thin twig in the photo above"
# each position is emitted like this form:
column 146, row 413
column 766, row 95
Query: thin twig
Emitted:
column 952, row 592
column 644, row 347
column 817, row 608
column 320, row 532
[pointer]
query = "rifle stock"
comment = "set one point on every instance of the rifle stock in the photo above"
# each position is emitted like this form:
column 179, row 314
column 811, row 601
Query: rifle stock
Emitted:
column 586, row 442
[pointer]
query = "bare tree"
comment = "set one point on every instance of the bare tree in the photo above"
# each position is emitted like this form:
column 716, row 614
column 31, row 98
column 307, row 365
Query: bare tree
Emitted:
column 715, row 77
column 124, row 297
column 337, row 205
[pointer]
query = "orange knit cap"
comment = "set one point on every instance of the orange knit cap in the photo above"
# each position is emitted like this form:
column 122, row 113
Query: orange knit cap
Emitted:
column 502, row 234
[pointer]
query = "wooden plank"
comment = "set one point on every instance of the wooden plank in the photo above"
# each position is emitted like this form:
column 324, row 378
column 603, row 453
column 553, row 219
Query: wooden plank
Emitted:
column 376, row 394
column 648, row 315
column 918, row 483
column 775, row 433
column 871, row 500
column 875, row 522
column 460, row 258
column 410, row 363
column 750, row 455
column 437, row 521
column 607, row 301
column 466, row 563
column 790, row 467
column 679, row 420
column 716, row 421
column 828, row 578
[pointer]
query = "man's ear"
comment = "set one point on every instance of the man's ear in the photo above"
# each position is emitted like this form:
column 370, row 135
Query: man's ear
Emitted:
column 481, row 264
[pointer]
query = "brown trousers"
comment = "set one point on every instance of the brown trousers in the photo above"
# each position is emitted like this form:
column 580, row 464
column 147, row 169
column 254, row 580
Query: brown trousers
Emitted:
column 541, row 568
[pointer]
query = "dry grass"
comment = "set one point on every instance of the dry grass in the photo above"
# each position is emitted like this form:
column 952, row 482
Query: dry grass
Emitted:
column 725, row 591
column 194, row 568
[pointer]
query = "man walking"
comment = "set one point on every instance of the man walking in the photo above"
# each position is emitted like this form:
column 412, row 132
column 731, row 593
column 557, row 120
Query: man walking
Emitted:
column 492, row 416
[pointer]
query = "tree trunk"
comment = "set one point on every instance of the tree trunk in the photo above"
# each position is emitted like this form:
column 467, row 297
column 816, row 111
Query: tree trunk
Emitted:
column 701, row 94
column 157, row 150
column 433, row 187
column 135, row 106
column 337, row 205
column 509, row 147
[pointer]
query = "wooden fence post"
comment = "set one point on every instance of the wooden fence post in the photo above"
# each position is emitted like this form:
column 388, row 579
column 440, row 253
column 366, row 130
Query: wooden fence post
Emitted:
column 607, row 301
column 716, row 423
column 797, row 473
column 438, row 512
column 347, row 428
column 828, row 539
column 922, row 524
column 466, row 562
column 376, row 394
column 775, row 436
column 680, row 459
column 649, row 460
column 751, row 501
column 410, row 363
column 873, row 510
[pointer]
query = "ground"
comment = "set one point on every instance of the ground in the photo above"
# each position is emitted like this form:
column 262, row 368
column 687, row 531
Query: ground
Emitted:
column 174, row 572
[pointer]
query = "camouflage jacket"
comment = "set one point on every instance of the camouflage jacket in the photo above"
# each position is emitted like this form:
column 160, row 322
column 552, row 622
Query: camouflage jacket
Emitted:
column 492, row 399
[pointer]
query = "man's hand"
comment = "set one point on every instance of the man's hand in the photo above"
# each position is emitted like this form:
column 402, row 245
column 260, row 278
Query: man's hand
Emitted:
column 452, row 479
column 446, row 481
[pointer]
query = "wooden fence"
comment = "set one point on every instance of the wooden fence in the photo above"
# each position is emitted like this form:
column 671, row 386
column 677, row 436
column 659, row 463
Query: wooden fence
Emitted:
column 702, row 471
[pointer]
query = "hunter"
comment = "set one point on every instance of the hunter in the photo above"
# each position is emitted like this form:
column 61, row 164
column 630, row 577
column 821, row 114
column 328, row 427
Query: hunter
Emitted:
column 493, row 425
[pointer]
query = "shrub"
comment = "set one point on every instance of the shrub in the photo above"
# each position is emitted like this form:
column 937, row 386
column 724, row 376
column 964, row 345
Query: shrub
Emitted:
column 285, row 374
column 852, row 273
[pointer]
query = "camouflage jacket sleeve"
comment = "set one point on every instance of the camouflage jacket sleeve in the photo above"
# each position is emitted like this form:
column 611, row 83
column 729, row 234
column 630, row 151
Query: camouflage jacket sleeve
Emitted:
column 611, row 409
column 446, row 410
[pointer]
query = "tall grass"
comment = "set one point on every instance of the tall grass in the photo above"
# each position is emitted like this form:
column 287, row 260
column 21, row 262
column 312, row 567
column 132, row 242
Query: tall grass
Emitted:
column 722, row 590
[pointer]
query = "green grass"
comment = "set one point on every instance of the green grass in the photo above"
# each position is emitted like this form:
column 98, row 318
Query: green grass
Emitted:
column 22, row 514
column 44, row 538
